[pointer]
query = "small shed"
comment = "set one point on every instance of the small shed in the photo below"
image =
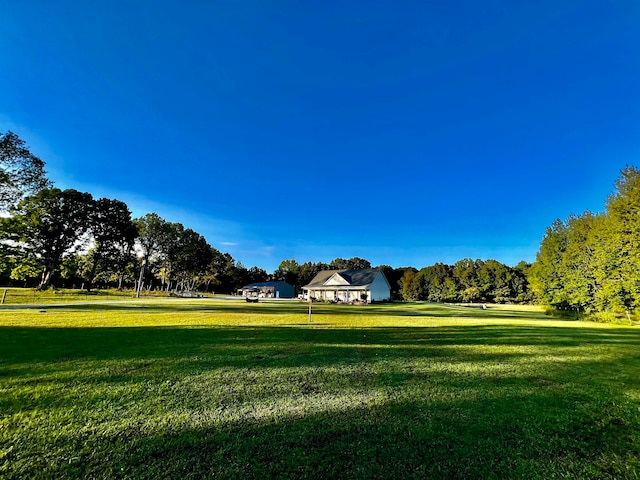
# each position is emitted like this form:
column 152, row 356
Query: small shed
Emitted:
column 267, row 290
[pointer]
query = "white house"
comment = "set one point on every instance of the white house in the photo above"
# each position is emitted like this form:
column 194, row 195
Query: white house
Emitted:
column 368, row 285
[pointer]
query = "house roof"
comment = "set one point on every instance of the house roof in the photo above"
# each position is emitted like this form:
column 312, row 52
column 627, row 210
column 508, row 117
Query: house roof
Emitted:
column 355, row 277
column 265, row 284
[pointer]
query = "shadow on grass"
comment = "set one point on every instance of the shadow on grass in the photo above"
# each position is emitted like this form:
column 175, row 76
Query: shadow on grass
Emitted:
column 290, row 346
column 557, row 419
column 414, row 439
column 300, row 308
column 546, row 434
column 287, row 346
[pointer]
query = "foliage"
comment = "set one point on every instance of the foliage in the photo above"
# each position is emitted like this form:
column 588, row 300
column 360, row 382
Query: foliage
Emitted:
column 26, row 269
column 354, row 263
column 21, row 172
column 298, row 275
column 591, row 263
column 114, row 234
column 151, row 230
column 192, row 257
column 467, row 281
column 67, row 237
column 394, row 276
column 46, row 227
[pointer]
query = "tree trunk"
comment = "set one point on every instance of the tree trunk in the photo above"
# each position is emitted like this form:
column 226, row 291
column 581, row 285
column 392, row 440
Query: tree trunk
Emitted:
column 141, row 278
column 46, row 278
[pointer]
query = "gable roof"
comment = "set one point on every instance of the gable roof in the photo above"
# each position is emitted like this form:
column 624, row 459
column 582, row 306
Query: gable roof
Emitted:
column 355, row 277
column 265, row 284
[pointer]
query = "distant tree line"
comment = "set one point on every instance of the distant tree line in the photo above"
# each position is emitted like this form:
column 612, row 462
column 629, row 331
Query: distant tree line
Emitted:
column 468, row 281
column 590, row 263
column 65, row 237
column 68, row 238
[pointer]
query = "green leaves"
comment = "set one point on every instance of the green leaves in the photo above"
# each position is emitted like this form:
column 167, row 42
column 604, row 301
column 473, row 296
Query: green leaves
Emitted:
column 21, row 172
column 49, row 225
column 591, row 263
column 467, row 281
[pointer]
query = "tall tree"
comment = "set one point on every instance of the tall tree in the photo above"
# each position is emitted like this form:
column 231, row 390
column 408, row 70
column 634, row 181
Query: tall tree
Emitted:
column 409, row 285
column 171, row 247
column 192, row 257
column 591, row 262
column 21, row 172
column 113, row 234
column 151, row 235
column 257, row 274
column 352, row 263
column 623, row 241
column 466, row 277
column 521, row 288
column 494, row 281
column 546, row 275
column 308, row 270
column 578, row 262
column 289, row 271
column 47, row 226
column 436, row 283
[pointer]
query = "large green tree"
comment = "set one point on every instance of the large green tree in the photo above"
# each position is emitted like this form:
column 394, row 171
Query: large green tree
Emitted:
column 623, row 209
column 152, row 231
column 46, row 227
column 192, row 256
column 591, row 262
column 546, row 275
column 113, row 233
column 289, row 271
column 21, row 172
column 348, row 264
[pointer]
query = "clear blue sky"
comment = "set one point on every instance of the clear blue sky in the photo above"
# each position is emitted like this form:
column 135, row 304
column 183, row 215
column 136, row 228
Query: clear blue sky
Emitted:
column 403, row 132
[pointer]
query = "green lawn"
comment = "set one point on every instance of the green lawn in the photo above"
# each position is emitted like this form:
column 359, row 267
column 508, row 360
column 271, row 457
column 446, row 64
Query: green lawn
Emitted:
column 224, row 389
column 26, row 296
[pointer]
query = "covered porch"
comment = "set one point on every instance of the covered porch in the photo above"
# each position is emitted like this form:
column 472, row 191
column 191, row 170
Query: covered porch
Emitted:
column 339, row 294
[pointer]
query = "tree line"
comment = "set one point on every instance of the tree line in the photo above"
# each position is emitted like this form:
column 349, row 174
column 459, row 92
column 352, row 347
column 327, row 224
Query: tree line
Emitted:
column 465, row 281
column 590, row 263
column 68, row 238
column 468, row 281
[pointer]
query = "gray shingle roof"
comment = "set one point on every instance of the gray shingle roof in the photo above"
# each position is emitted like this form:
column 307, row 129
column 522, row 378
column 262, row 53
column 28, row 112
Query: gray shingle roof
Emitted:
column 356, row 278
column 264, row 284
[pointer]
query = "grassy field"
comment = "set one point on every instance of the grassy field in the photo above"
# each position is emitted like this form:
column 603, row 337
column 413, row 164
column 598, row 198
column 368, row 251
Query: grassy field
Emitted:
column 224, row 389
column 29, row 296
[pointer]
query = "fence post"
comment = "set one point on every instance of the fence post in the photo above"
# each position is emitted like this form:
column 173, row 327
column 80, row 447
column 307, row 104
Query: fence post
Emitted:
column 4, row 295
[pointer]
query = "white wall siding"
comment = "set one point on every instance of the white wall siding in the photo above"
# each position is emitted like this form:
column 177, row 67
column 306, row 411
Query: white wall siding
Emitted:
column 380, row 288
column 336, row 279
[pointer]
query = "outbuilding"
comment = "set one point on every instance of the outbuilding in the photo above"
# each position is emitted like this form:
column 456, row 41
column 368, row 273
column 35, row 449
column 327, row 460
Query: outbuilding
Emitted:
column 267, row 290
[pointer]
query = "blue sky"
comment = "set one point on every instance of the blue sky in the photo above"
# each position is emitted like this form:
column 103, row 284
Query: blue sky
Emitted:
column 406, row 133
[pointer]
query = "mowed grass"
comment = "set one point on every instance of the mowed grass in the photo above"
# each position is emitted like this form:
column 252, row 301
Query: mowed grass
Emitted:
column 27, row 296
column 223, row 389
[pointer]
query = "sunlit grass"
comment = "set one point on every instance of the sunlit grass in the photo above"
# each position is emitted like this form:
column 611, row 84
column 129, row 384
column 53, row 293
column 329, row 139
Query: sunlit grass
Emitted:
column 34, row 296
column 30, row 296
column 171, row 389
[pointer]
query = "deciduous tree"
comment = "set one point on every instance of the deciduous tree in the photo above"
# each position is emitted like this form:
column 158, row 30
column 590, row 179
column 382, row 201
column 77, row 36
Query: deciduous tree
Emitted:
column 47, row 226
column 21, row 172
